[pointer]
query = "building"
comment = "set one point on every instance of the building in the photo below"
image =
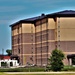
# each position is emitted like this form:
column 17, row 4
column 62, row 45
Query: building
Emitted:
column 5, row 61
column 3, row 57
column 8, row 63
column 33, row 39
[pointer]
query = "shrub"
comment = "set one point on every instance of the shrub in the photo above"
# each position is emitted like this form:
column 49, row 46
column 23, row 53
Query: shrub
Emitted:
column 31, row 69
column 56, row 60
column 3, row 64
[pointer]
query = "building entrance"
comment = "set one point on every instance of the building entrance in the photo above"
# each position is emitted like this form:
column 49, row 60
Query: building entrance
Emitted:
column 71, row 59
column 15, row 57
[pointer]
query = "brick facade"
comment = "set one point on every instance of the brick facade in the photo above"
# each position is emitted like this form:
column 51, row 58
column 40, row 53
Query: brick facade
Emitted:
column 34, row 40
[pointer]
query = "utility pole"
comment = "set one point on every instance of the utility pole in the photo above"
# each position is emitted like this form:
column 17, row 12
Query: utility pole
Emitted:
column 3, row 53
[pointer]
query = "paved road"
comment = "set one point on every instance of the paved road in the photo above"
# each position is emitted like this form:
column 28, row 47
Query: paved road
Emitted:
column 38, row 72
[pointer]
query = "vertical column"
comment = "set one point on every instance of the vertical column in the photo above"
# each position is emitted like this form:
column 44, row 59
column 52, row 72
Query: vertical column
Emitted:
column 47, row 37
column 12, row 28
column 18, row 37
column 58, row 31
column 21, row 46
column 12, row 38
column 35, row 47
column 55, row 19
column 70, row 61
column 41, row 39
column 32, row 43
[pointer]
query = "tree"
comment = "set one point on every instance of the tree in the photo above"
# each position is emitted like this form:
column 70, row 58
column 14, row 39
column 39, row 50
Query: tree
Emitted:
column 56, row 60
column 9, row 52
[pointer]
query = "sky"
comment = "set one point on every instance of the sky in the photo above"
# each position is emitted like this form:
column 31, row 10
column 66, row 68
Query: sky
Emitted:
column 12, row 11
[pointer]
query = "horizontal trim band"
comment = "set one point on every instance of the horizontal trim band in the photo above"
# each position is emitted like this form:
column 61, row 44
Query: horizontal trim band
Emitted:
column 69, row 52
column 46, row 53
column 43, row 42
column 34, row 54
column 34, row 43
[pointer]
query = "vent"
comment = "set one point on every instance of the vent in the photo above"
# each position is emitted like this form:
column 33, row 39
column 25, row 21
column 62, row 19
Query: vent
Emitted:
column 42, row 14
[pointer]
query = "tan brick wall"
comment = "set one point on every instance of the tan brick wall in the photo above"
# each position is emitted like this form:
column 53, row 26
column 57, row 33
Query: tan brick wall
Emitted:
column 51, row 23
column 67, row 28
column 41, row 39
column 26, row 28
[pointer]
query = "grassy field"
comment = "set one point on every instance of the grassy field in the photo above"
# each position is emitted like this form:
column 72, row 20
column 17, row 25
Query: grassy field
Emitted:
column 38, row 74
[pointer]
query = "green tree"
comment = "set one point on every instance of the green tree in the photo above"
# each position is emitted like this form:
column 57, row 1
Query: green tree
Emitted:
column 9, row 52
column 56, row 60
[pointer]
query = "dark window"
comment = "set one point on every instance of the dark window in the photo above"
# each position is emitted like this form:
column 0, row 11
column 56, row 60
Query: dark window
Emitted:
column 18, row 40
column 18, row 30
column 18, row 50
column 11, row 64
column 73, row 60
column 58, row 35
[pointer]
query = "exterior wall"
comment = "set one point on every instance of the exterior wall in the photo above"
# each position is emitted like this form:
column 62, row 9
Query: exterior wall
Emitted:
column 23, row 38
column 67, row 29
column 51, row 34
column 34, row 43
column 45, row 40
column 28, row 38
column 41, row 42
column 65, row 35
column 17, row 40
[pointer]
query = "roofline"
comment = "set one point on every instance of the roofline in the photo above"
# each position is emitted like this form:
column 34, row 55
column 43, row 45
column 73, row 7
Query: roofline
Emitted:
column 19, row 22
column 24, row 21
column 60, row 15
column 53, row 15
column 47, row 16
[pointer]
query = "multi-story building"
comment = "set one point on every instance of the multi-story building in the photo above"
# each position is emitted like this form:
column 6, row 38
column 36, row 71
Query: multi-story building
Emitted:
column 33, row 39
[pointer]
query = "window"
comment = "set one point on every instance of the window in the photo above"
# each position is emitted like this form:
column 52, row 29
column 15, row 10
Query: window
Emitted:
column 11, row 64
column 3, row 64
column 18, row 30
column 18, row 40
column 18, row 50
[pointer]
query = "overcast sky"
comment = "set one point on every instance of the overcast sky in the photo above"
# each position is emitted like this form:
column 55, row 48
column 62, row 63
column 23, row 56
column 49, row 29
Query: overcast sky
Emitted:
column 15, row 10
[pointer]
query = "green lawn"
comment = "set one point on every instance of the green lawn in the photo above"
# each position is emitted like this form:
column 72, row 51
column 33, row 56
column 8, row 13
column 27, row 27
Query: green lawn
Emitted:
column 37, row 74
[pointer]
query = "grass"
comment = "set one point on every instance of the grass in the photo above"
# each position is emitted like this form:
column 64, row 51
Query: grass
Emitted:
column 31, row 69
column 29, row 73
column 69, row 68
column 37, row 74
column 49, row 74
